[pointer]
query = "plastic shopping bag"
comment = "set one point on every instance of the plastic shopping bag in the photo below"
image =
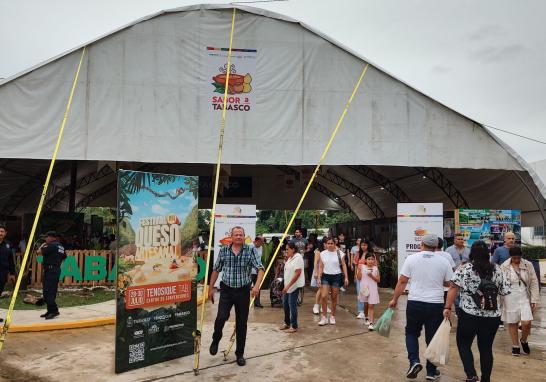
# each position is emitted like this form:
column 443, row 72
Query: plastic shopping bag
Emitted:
column 438, row 348
column 383, row 325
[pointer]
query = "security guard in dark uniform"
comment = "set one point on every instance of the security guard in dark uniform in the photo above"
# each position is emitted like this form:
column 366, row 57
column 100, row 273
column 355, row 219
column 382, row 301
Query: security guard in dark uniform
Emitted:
column 7, row 265
column 53, row 255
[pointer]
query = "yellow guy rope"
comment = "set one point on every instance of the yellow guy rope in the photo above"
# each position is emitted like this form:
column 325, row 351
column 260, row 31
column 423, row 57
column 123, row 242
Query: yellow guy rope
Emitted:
column 40, row 205
column 317, row 168
column 197, row 345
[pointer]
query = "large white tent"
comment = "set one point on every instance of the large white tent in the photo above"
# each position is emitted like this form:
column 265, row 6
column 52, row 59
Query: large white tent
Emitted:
column 144, row 97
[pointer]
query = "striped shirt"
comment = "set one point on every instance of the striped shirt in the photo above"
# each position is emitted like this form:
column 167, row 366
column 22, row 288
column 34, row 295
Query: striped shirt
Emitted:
column 237, row 268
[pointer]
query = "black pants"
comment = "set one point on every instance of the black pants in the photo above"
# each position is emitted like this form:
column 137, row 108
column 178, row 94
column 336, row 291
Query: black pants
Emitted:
column 3, row 279
column 419, row 314
column 254, row 279
column 240, row 297
column 485, row 328
column 51, row 285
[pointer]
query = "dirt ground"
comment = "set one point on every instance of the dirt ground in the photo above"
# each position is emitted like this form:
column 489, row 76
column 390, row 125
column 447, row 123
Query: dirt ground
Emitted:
column 346, row 351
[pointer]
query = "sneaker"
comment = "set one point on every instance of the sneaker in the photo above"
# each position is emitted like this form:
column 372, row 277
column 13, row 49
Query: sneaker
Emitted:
column 332, row 320
column 473, row 379
column 525, row 347
column 323, row 321
column 414, row 370
column 316, row 309
column 360, row 315
column 515, row 351
column 342, row 289
column 501, row 327
column 370, row 327
column 366, row 321
column 434, row 376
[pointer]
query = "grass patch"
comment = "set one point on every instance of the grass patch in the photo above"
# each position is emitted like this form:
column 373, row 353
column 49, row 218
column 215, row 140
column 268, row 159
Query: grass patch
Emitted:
column 65, row 299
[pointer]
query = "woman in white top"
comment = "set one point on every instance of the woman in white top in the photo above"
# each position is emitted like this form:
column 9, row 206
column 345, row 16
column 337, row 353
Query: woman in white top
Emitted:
column 519, row 305
column 331, row 277
column 294, row 279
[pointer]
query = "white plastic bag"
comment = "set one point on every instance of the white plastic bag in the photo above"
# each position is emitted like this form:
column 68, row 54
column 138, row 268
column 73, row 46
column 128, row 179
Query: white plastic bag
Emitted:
column 438, row 348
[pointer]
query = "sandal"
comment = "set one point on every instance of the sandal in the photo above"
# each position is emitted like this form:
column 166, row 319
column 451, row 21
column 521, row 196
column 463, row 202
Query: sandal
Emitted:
column 284, row 327
column 291, row 330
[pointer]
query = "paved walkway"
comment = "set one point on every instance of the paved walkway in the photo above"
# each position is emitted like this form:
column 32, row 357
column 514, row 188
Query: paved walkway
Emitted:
column 25, row 319
column 344, row 352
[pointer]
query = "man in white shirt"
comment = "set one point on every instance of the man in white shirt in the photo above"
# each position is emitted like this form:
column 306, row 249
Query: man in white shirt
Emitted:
column 258, row 242
column 429, row 274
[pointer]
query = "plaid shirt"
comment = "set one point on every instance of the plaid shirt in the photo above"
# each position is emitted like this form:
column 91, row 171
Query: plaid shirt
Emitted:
column 236, row 268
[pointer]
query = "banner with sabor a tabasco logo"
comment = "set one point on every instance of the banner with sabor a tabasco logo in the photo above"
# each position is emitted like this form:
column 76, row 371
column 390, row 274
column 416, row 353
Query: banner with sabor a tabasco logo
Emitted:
column 156, row 281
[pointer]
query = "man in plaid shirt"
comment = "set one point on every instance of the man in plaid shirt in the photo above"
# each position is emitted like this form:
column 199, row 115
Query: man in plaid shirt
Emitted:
column 236, row 261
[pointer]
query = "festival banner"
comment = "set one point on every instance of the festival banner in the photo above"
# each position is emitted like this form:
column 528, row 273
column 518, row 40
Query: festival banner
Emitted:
column 228, row 216
column 415, row 220
column 156, row 280
column 242, row 70
column 487, row 225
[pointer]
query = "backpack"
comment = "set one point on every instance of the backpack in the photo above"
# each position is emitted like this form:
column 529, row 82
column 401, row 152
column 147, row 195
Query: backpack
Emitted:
column 486, row 296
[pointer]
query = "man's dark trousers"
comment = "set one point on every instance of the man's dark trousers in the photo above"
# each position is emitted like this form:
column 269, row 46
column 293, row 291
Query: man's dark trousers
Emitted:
column 3, row 279
column 240, row 297
column 419, row 314
column 50, row 285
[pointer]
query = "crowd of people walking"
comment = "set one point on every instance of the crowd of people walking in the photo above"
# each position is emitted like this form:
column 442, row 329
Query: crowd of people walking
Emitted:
column 465, row 285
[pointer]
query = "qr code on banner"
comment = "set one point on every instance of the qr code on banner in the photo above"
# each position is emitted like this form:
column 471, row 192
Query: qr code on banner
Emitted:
column 136, row 352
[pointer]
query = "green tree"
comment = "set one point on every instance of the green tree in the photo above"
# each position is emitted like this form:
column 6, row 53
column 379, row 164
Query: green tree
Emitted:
column 203, row 220
column 189, row 231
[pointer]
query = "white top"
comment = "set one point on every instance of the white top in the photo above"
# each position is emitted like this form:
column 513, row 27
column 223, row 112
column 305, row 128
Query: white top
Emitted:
column 259, row 251
column 427, row 272
column 290, row 266
column 355, row 249
column 331, row 262
column 448, row 257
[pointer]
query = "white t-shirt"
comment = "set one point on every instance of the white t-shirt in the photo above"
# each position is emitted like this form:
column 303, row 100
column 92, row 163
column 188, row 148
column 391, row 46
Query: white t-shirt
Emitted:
column 427, row 272
column 448, row 257
column 331, row 262
column 290, row 266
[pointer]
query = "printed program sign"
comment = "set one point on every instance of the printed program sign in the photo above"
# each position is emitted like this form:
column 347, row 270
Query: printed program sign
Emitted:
column 243, row 67
column 415, row 220
column 156, row 287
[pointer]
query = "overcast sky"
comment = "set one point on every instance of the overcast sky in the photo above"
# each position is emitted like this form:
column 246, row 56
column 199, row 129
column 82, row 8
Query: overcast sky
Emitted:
column 485, row 59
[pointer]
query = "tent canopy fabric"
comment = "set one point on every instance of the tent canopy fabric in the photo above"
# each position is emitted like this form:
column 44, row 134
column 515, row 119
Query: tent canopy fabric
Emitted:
column 144, row 95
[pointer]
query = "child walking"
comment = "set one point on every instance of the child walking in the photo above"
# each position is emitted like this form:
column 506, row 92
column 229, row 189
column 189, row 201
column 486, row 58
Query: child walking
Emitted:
column 368, row 273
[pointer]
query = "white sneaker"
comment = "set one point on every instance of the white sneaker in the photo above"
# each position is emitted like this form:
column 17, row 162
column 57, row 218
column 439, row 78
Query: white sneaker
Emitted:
column 360, row 315
column 342, row 289
column 332, row 320
column 316, row 309
column 366, row 321
column 323, row 321
column 370, row 327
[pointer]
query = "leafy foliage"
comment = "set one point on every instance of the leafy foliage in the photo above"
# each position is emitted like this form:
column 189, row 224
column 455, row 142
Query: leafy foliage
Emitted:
column 277, row 220
column 532, row 252
column 189, row 230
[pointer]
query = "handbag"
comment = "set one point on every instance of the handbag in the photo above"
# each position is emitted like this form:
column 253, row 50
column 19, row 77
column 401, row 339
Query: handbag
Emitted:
column 364, row 291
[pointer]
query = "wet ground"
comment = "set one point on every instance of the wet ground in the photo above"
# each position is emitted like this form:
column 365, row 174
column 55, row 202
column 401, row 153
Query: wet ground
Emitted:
column 346, row 351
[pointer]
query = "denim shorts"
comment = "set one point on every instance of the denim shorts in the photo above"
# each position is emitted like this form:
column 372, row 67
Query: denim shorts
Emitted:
column 335, row 281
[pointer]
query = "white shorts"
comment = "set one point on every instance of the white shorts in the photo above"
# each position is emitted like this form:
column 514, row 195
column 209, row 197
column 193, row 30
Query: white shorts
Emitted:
column 516, row 306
